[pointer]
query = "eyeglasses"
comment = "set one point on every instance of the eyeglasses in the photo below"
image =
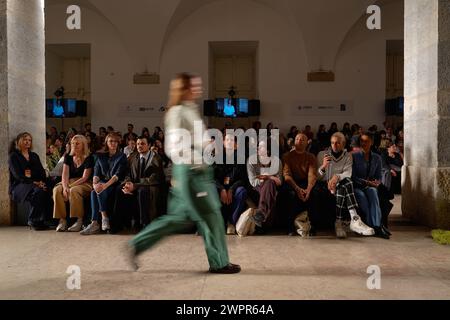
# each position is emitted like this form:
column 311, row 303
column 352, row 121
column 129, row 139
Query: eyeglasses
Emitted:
column 114, row 141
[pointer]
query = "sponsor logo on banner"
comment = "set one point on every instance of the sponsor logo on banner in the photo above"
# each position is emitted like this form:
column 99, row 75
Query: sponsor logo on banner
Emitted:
column 142, row 110
column 320, row 108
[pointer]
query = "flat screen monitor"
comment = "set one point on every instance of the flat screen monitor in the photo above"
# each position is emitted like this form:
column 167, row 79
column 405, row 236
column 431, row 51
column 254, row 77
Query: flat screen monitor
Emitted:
column 61, row 108
column 232, row 108
column 71, row 108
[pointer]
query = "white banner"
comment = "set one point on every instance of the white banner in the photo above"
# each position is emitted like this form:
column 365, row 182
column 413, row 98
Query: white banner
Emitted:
column 142, row 110
column 323, row 108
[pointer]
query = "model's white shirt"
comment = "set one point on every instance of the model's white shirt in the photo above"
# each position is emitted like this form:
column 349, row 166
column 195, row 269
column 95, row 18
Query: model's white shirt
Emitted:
column 185, row 136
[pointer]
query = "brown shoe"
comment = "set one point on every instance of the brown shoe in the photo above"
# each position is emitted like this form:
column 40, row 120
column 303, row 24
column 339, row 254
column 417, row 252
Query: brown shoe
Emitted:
column 228, row 269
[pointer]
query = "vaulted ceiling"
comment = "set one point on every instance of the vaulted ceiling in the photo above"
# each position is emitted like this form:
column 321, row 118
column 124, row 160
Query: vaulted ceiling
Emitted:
column 322, row 24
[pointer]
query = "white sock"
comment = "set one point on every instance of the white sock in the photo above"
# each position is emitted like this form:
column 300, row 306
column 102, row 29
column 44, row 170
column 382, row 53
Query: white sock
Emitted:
column 353, row 213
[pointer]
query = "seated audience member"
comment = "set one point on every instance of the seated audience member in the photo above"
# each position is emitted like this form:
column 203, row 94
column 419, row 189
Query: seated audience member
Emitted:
column 366, row 177
column 109, row 130
column 265, row 176
column 109, row 169
column 384, row 142
column 292, row 133
column 231, row 182
column 145, row 132
column 300, row 175
column 372, row 130
column 62, row 136
column 130, row 148
column 27, row 181
column 92, row 143
column 390, row 134
column 161, row 136
column 59, row 146
column 130, row 134
column 323, row 137
column 290, row 144
column 53, row 134
column 159, row 149
column 356, row 135
column 308, row 132
column 393, row 162
column 142, row 189
column 48, row 141
column 399, row 141
column 88, row 131
column 52, row 157
column 347, row 132
column 100, row 140
column 333, row 129
column 72, row 132
column 156, row 131
column 335, row 169
column 76, row 185
column 100, row 147
column 102, row 132
column 283, row 145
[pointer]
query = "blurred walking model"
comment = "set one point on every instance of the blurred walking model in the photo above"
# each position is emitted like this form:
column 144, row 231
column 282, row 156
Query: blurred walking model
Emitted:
column 193, row 196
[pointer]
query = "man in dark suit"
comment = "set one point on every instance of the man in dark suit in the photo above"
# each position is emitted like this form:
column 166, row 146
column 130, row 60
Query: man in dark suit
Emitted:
column 142, row 193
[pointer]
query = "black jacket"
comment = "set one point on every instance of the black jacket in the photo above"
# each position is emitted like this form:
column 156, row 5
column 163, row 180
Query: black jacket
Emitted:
column 20, row 185
column 236, row 172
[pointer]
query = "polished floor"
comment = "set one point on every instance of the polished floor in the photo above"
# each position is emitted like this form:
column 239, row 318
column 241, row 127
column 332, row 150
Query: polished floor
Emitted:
column 33, row 265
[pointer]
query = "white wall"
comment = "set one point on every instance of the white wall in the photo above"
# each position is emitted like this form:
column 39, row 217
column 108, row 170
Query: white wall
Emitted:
column 282, row 65
column 74, row 75
column 53, row 73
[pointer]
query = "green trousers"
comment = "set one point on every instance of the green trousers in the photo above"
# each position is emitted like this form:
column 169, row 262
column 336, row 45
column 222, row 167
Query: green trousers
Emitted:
column 193, row 199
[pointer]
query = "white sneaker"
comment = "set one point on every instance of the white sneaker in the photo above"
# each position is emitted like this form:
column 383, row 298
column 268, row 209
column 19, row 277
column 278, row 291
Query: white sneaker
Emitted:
column 356, row 225
column 93, row 228
column 105, row 224
column 62, row 226
column 231, row 229
column 76, row 227
column 340, row 232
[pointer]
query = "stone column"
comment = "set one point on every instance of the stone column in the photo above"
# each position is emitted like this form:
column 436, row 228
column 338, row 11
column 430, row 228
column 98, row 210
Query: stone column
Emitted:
column 426, row 175
column 22, row 84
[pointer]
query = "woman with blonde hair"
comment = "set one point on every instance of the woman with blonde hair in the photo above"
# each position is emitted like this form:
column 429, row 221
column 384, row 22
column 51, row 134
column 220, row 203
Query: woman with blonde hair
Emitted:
column 194, row 196
column 75, row 185
column 27, row 183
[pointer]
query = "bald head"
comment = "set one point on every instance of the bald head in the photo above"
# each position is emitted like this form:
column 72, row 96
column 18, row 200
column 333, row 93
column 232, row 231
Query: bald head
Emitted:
column 301, row 142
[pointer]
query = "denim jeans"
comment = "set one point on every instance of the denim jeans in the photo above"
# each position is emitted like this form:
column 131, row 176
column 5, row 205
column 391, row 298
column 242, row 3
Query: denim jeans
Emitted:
column 100, row 202
column 369, row 205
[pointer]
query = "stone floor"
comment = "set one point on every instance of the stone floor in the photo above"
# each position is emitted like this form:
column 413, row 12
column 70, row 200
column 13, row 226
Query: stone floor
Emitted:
column 33, row 265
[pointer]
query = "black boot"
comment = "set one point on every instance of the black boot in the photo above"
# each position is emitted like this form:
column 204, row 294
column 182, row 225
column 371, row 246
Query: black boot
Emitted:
column 228, row 269
column 380, row 233
column 386, row 230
